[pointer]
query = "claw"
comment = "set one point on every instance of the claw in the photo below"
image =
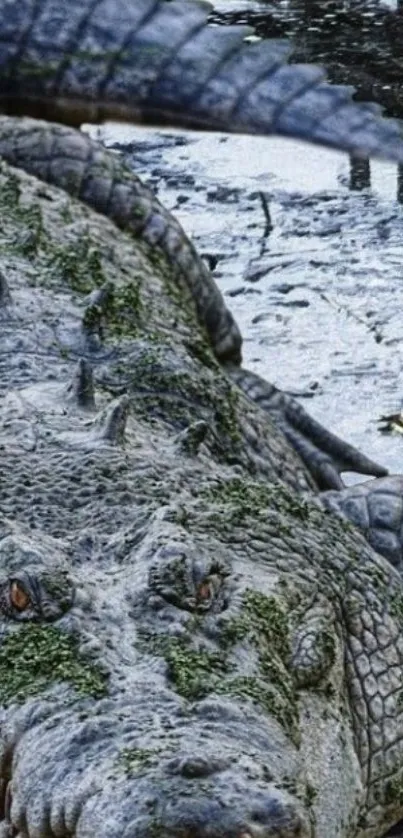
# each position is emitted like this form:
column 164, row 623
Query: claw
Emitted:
column 325, row 455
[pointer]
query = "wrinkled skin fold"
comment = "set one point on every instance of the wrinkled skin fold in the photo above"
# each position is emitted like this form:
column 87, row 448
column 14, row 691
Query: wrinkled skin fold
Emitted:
column 190, row 647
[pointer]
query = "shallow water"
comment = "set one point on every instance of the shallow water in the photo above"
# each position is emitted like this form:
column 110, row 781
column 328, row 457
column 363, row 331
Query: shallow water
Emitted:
column 319, row 298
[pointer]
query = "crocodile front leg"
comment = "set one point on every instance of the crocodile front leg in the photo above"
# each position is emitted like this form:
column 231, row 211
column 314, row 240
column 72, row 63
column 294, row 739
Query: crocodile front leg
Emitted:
column 324, row 454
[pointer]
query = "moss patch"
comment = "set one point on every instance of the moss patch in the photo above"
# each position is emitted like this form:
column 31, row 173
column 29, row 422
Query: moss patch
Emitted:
column 248, row 498
column 77, row 265
column 179, row 394
column 29, row 218
column 133, row 760
column 200, row 349
column 194, row 673
column 35, row 656
column 396, row 606
column 263, row 625
column 10, row 191
column 394, row 791
column 175, row 289
column 123, row 315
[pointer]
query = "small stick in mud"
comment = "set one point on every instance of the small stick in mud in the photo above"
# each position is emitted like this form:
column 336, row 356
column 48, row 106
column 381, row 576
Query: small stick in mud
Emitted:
column 265, row 205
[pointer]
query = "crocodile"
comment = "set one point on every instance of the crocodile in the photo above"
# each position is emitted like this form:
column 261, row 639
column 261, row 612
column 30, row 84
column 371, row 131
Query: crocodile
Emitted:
column 192, row 642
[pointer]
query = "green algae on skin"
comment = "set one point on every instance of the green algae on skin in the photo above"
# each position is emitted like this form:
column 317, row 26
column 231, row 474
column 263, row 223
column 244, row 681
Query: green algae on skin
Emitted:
column 176, row 394
column 34, row 657
column 77, row 265
column 263, row 624
column 175, row 289
column 58, row 585
column 393, row 792
column 255, row 689
column 122, row 317
column 396, row 606
column 249, row 497
column 133, row 760
column 10, row 191
column 200, row 349
column 195, row 672
column 30, row 235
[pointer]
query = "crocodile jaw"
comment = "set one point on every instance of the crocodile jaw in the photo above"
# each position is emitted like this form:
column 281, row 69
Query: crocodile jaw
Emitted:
column 77, row 771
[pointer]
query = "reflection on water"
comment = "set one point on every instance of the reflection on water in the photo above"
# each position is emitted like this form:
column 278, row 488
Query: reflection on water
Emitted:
column 360, row 43
column 361, row 178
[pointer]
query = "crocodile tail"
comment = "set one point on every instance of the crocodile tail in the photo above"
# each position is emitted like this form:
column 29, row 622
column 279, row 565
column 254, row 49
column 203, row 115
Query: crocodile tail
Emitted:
column 157, row 61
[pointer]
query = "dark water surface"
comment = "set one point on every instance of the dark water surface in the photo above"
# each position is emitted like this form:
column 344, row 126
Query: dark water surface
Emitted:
column 358, row 41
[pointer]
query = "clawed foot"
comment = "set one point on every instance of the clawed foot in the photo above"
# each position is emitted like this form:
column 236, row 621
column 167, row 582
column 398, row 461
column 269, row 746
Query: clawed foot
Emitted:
column 324, row 454
column 376, row 506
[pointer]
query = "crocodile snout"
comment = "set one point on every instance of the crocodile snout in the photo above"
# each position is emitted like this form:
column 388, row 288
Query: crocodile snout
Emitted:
column 85, row 772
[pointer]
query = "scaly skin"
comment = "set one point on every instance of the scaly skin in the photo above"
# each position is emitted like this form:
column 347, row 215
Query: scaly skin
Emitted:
column 377, row 508
column 84, row 169
column 189, row 649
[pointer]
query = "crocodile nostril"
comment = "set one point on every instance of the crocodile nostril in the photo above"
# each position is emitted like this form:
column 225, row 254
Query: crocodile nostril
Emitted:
column 197, row 766
column 274, row 816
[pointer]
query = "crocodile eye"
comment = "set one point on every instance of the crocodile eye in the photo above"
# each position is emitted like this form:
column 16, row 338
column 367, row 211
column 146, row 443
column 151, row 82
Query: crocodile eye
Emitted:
column 184, row 576
column 204, row 591
column 18, row 596
column 208, row 590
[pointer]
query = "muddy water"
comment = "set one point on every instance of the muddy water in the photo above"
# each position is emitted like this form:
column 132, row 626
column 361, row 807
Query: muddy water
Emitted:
column 319, row 297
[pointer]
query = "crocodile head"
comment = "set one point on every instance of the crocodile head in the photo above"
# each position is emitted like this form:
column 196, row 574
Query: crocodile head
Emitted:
column 173, row 683
column 179, row 715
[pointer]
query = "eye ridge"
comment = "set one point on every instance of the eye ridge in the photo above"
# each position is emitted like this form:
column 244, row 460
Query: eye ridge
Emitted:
column 19, row 598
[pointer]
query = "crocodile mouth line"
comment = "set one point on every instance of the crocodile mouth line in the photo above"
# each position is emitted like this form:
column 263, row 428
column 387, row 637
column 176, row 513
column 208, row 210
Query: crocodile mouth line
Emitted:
column 8, row 829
